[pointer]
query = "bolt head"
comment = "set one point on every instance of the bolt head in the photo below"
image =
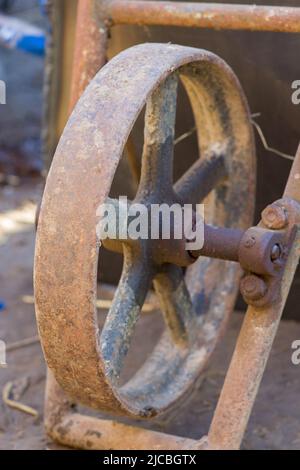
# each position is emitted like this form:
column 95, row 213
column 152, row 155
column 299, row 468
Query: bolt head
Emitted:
column 274, row 217
column 276, row 252
column 253, row 287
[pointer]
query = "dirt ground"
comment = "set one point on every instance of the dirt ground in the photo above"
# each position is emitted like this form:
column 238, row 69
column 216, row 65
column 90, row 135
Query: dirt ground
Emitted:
column 275, row 421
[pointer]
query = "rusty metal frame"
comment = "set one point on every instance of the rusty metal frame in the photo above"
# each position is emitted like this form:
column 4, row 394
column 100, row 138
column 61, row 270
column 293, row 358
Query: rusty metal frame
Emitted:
column 96, row 17
column 204, row 15
column 260, row 324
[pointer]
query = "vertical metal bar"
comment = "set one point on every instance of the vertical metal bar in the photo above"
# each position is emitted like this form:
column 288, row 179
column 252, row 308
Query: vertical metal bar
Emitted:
column 253, row 348
column 292, row 189
column 90, row 55
column 247, row 366
column 90, row 47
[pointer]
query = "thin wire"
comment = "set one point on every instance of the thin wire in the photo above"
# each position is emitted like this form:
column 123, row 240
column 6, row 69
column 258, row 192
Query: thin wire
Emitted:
column 184, row 136
column 259, row 131
column 264, row 140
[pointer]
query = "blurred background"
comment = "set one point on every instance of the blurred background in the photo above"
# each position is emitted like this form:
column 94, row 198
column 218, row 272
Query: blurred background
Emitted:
column 23, row 72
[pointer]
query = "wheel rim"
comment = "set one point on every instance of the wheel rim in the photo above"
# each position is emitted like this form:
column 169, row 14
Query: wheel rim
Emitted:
column 66, row 248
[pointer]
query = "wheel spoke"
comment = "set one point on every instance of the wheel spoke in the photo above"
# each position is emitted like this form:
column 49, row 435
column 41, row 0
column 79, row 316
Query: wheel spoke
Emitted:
column 114, row 214
column 122, row 317
column 133, row 161
column 157, row 161
column 201, row 179
column 176, row 304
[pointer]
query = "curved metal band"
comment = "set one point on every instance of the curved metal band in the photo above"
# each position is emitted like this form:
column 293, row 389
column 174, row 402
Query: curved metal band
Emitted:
column 80, row 179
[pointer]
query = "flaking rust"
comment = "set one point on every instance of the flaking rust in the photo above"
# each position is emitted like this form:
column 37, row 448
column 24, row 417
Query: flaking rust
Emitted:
column 196, row 306
column 89, row 373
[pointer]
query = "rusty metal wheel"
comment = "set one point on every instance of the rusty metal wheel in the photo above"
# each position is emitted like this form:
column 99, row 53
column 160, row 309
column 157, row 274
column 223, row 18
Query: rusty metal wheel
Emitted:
column 86, row 363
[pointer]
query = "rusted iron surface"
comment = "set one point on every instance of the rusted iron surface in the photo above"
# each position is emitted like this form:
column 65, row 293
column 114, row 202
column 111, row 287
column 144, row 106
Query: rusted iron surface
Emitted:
column 221, row 243
column 205, row 174
column 292, row 189
column 69, row 428
column 274, row 217
column 90, row 55
column 90, row 47
column 264, row 252
column 253, row 288
column 204, row 15
column 255, row 251
column 256, row 338
column 80, row 179
column 196, row 307
column 258, row 250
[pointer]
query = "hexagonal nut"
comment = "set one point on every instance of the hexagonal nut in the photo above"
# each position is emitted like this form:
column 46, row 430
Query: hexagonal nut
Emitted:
column 253, row 287
column 274, row 217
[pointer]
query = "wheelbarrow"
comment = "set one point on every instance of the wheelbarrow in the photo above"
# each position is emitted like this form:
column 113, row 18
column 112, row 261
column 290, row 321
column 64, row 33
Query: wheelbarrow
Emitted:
column 85, row 365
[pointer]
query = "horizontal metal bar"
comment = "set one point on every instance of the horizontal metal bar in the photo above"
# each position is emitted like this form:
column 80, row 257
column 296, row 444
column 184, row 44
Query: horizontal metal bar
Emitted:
column 220, row 243
column 112, row 435
column 84, row 432
column 204, row 15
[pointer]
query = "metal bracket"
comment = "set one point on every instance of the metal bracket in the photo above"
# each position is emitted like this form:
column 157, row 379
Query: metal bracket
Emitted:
column 262, row 287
